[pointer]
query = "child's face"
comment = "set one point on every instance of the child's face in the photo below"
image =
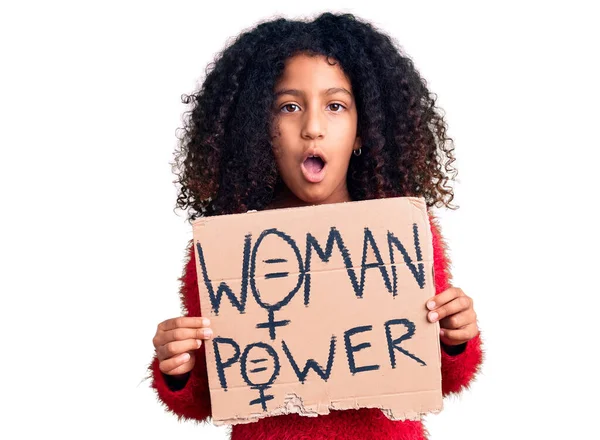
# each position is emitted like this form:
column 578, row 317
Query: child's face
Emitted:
column 313, row 120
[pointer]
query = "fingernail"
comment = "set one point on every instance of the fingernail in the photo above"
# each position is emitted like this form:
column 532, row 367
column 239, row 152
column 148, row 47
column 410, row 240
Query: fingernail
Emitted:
column 185, row 357
column 199, row 342
column 205, row 322
column 431, row 305
column 433, row 316
column 441, row 332
column 207, row 332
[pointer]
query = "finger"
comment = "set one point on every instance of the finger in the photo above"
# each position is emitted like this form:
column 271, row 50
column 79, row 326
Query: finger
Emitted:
column 176, row 365
column 459, row 319
column 175, row 348
column 458, row 336
column 445, row 297
column 184, row 321
column 456, row 305
column 181, row 334
column 182, row 369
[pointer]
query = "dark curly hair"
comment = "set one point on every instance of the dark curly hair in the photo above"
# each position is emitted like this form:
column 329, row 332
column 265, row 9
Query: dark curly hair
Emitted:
column 224, row 161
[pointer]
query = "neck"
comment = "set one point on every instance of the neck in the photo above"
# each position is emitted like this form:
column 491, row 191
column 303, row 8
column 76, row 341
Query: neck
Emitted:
column 284, row 198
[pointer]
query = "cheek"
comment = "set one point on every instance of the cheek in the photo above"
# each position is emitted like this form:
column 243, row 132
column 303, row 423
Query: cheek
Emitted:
column 283, row 145
column 278, row 140
column 277, row 147
column 341, row 164
column 349, row 131
column 283, row 158
column 280, row 150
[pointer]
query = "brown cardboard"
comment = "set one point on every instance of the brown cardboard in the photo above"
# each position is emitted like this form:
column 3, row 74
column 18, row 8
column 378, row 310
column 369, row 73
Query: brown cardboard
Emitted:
column 254, row 381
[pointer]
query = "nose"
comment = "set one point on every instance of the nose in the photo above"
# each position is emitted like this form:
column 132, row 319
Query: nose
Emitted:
column 314, row 124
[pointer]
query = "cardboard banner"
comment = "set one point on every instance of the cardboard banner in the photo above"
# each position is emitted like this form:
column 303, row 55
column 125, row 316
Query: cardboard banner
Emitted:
column 319, row 308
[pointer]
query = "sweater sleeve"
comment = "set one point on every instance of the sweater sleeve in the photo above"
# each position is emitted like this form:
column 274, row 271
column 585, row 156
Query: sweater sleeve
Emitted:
column 187, row 398
column 460, row 364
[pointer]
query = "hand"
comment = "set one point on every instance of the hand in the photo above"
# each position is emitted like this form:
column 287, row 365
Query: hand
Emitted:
column 176, row 342
column 454, row 310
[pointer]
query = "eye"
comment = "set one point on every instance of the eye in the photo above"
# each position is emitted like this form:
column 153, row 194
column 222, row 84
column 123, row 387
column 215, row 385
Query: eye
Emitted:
column 338, row 106
column 288, row 105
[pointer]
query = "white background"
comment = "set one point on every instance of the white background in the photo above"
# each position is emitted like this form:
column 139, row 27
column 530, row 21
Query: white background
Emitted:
column 91, row 247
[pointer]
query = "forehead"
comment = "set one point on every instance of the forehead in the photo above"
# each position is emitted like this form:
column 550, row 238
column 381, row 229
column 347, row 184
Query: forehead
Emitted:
column 312, row 72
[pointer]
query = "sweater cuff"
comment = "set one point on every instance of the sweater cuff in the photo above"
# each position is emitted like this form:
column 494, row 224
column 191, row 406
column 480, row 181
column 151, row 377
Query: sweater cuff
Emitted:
column 458, row 370
column 453, row 350
column 176, row 383
column 188, row 398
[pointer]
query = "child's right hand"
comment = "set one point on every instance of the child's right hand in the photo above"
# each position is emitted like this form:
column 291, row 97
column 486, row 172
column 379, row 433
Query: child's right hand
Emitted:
column 176, row 342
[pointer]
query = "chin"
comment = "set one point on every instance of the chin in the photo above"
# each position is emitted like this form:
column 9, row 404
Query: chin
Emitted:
column 314, row 197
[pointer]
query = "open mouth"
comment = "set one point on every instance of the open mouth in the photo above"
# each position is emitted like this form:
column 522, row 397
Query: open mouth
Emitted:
column 313, row 168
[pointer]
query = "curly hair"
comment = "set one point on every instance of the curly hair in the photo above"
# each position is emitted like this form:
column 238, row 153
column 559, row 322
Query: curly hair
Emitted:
column 224, row 160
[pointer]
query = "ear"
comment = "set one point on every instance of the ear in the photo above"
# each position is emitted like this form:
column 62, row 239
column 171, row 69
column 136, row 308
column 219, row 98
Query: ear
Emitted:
column 357, row 144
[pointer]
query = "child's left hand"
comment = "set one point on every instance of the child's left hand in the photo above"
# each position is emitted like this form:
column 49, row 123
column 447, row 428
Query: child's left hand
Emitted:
column 454, row 310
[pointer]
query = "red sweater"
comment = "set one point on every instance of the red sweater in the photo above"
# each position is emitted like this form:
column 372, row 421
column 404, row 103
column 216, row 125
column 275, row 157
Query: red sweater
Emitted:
column 192, row 401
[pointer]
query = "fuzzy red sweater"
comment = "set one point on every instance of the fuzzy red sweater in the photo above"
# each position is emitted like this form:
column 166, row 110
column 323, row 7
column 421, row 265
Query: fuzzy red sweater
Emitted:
column 192, row 399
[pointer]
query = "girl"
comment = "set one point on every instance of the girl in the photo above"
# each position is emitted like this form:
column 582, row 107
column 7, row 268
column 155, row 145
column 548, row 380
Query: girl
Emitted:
column 299, row 113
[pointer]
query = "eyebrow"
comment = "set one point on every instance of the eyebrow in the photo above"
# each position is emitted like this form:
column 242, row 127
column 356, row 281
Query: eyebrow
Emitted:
column 296, row 92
